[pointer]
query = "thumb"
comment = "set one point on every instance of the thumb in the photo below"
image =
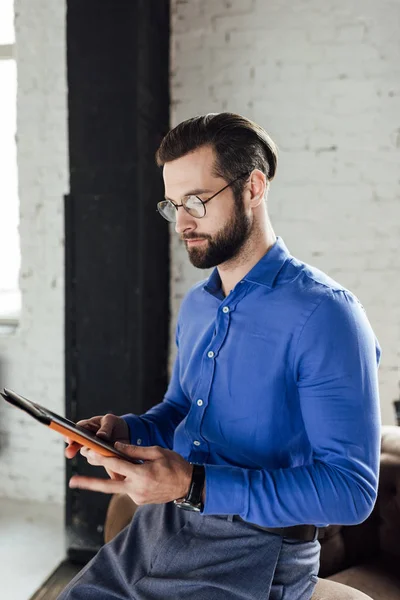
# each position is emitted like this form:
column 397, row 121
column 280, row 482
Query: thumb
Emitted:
column 139, row 452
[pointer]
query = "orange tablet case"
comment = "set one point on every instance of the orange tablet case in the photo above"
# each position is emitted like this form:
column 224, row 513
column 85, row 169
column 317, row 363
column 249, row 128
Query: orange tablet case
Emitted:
column 64, row 426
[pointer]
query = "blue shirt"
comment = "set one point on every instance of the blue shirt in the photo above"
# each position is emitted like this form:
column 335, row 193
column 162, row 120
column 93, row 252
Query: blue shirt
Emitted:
column 275, row 390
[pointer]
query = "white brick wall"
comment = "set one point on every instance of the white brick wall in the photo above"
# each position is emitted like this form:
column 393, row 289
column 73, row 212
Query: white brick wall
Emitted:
column 324, row 79
column 32, row 359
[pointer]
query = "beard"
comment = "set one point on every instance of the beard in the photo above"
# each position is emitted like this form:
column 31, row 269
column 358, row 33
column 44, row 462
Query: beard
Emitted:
column 224, row 245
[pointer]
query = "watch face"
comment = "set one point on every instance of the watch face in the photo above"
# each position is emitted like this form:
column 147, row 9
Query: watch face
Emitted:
column 185, row 505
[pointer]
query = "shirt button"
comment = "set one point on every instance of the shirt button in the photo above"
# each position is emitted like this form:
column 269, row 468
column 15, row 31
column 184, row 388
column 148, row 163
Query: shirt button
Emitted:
column 138, row 441
column 225, row 309
column 210, row 354
column 199, row 402
column 196, row 443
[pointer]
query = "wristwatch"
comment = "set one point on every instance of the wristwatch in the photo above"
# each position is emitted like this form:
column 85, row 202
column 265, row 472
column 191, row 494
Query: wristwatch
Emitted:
column 193, row 499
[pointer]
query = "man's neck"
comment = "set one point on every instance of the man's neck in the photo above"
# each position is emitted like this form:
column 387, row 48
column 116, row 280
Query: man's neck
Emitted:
column 233, row 271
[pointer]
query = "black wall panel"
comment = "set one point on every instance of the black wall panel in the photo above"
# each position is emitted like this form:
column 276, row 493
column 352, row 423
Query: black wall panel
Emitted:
column 117, row 247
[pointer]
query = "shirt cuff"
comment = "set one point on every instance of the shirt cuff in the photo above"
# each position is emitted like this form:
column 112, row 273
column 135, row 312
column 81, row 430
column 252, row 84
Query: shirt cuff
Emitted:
column 225, row 490
column 138, row 433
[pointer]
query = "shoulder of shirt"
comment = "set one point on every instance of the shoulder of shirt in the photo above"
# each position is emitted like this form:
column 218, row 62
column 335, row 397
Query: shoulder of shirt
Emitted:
column 301, row 274
column 312, row 294
column 308, row 283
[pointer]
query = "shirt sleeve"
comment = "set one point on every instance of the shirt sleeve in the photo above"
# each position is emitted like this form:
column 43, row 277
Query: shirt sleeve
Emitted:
column 335, row 368
column 157, row 426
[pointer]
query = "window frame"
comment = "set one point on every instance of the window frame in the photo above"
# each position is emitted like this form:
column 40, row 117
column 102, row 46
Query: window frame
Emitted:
column 9, row 320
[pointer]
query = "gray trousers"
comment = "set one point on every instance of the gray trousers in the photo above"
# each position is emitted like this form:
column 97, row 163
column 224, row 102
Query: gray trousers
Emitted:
column 167, row 553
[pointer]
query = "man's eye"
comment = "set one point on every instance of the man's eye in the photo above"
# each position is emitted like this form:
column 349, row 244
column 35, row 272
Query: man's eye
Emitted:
column 192, row 201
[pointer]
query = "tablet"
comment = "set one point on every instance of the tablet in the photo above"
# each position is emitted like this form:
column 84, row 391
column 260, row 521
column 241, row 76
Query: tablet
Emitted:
column 64, row 426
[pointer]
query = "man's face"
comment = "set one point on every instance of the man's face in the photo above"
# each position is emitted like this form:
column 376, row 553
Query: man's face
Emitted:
column 222, row 232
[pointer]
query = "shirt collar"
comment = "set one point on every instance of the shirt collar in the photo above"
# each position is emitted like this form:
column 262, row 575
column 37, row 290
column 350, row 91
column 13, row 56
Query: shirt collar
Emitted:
column 267, row 269
column 264, row 272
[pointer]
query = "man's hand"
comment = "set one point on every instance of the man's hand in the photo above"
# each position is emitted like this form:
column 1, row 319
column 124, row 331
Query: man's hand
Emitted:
column 109, row 427
column 163, row 477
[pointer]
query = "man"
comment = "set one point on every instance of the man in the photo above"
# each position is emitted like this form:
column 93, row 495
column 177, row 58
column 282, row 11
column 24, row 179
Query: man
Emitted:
column 270, row 427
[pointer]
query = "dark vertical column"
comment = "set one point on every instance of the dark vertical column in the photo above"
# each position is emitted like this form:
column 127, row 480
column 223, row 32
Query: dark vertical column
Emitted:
column 117, row 247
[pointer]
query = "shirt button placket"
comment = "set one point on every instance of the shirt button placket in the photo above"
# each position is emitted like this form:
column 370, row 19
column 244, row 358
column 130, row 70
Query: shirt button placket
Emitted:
column 199, row 401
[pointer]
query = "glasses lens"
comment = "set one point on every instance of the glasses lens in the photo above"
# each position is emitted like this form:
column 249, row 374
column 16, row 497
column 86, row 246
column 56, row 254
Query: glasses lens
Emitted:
column 167, row 210
column 194, row 206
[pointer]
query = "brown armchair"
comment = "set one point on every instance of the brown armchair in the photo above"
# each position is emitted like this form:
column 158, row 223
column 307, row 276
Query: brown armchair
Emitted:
column 357, row 562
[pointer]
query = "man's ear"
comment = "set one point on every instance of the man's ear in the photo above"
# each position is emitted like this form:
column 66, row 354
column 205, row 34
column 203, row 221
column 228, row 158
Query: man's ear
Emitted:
column 258, row 188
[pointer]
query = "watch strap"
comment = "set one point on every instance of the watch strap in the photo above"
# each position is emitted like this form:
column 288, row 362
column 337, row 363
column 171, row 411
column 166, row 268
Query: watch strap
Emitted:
column 193, row 499
column 194, row 495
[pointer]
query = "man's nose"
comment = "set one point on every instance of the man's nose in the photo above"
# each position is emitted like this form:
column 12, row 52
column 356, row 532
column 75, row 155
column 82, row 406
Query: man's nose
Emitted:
column 184, row 221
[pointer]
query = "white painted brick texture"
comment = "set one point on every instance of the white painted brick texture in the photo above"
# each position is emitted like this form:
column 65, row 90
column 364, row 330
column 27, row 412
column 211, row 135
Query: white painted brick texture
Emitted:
column 32, row 359
column 323, row 78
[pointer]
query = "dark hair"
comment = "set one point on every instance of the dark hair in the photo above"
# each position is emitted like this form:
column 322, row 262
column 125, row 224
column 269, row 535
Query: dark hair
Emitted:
column 240, row 145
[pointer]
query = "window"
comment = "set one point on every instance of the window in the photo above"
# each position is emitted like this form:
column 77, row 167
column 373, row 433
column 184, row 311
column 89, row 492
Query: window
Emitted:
column 9, row 206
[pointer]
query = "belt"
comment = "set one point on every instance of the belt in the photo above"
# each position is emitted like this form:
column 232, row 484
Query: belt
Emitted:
column 305, row 533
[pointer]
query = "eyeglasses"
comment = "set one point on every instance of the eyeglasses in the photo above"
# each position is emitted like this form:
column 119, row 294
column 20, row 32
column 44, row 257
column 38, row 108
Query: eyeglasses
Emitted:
column 195, row 206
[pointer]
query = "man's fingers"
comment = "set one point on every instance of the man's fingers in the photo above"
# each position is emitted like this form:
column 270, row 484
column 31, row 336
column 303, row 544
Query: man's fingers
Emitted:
column 72, row 449
column 117, row 465
column 104, row 431
column 140, row 452
column 107, row 426
column 105, row 486
column 87, row 424
column 115, row 476
column 96, row 460
column 92, row 421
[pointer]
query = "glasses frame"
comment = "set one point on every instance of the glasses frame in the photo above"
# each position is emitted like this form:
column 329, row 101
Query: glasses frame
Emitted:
column 204, row 202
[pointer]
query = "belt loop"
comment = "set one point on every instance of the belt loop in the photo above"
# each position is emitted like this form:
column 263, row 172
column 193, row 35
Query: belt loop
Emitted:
column 316, row 534
column 230, row 518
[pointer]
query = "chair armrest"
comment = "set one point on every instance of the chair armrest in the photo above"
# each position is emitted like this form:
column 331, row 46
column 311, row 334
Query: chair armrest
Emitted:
column 332, row 590
column 119, row 514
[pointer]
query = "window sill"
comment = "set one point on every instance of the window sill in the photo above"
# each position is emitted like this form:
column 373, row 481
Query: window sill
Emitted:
column 8, row 324
column 10, row 310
